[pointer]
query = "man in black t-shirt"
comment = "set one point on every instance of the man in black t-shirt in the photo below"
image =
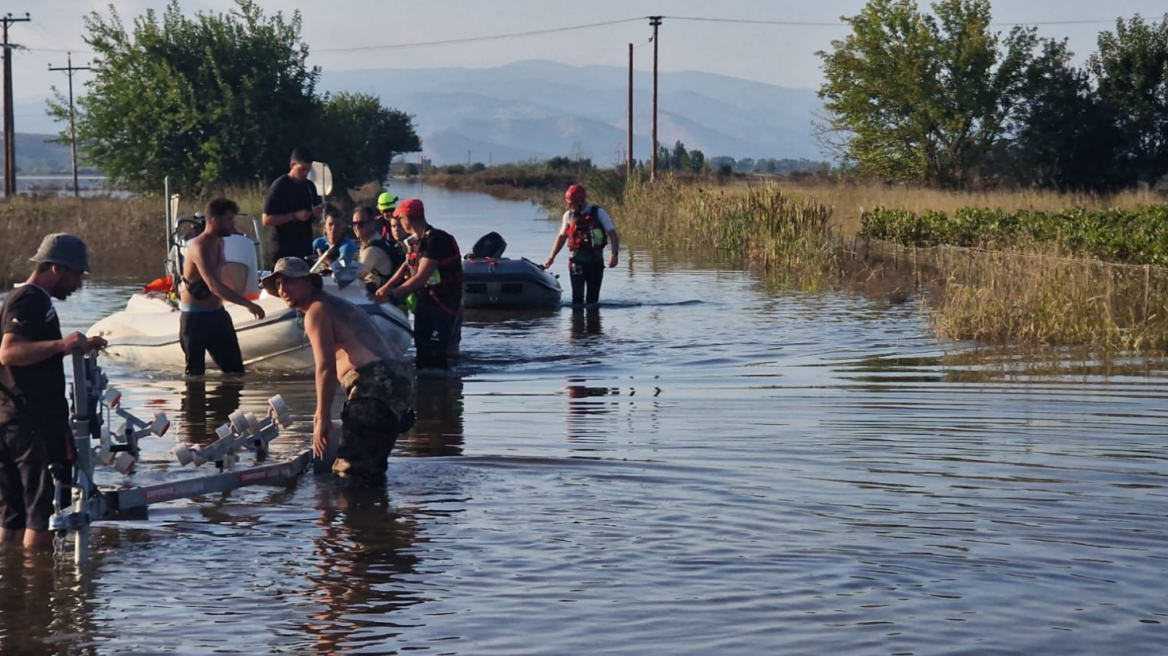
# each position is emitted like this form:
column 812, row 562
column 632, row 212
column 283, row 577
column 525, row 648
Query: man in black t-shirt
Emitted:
column 34, row 412
column 434, row 267
column 291, row 206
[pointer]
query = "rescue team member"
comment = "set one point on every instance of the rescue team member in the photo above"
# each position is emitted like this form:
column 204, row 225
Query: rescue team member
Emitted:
column 434, row 267
column 205, row 325
column 586, row 229
column 379, row 258
column 386, row 204
column 35, row 430
column 378, row 381
column 291, row 206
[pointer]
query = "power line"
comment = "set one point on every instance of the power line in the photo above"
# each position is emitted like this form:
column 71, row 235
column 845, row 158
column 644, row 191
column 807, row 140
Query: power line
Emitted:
column 395, row 46
column 843, row 24
column 60, row 50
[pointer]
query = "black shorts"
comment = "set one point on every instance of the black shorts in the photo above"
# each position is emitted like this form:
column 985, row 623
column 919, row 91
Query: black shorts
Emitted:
column 26, row 488
column 212, row 332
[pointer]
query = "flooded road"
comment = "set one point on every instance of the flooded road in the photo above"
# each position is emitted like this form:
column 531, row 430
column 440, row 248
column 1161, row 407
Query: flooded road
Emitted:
column 702, row 465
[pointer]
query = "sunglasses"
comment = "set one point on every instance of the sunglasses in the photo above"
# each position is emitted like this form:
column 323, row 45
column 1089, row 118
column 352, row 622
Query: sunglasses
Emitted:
column 358, row 224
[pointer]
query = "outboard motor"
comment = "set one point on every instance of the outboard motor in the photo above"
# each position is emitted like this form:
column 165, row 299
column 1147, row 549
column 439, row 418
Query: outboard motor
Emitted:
column 490, row 245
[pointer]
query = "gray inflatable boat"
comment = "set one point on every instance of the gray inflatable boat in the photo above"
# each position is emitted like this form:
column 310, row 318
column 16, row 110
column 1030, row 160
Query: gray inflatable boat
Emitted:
column 501, row 283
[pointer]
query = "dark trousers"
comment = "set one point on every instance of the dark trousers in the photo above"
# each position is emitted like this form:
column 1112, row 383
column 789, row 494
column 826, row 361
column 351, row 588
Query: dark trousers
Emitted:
column 585, row 275
column 26, row 487
column 210, row 332
column 435, row 330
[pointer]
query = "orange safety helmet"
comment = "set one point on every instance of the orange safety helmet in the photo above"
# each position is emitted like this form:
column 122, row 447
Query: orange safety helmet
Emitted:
column 575, row 194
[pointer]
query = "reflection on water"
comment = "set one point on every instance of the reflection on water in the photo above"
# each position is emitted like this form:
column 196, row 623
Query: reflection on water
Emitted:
column 363, row 559
column 586, row 323
column 704, row 464
column 204, row 411
column 438, row 430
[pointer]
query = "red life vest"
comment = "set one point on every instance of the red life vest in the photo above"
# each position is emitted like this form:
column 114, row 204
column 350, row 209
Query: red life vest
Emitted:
column 448, row 275
column 585, row 232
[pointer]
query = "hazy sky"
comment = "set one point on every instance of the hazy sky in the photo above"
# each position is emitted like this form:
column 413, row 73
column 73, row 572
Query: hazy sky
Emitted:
column 782, row 55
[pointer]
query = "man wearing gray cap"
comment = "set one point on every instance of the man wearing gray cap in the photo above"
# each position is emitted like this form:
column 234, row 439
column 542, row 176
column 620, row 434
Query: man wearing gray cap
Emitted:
column 34, row 412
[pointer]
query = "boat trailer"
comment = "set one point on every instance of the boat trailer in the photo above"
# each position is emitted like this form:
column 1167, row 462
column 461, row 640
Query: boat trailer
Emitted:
column 95, row 405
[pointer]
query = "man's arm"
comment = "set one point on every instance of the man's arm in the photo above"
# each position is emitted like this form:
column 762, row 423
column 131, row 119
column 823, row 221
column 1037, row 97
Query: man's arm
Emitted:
column 18, row 351
column 324, row 350
column 561, row 239
column 210, row 275
column 613, row 239
column 395, row 280
column 426, row 268
column 25, row 317
column 272, row 219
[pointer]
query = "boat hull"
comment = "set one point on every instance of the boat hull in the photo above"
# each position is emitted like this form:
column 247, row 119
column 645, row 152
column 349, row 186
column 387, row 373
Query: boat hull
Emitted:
column 506, row 284
column 145, row 334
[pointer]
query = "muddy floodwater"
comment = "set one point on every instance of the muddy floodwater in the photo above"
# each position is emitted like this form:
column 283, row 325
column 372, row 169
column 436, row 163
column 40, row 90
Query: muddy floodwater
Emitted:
column 703, row 465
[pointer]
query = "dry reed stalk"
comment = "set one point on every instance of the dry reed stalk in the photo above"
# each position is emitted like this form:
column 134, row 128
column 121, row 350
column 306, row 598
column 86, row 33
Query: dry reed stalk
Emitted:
column 125, row 235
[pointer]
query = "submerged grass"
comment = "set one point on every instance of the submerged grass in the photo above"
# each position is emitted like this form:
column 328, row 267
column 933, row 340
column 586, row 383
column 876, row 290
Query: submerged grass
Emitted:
column 762, row 224
column 807, row 235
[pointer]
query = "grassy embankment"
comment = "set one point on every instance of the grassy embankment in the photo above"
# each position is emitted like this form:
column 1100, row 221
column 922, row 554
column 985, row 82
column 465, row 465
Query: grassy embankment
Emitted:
column 981, row 280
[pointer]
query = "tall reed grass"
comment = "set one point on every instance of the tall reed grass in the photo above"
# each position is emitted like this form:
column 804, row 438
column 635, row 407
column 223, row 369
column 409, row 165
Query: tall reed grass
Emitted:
column 1012, row 295
column 762, row 224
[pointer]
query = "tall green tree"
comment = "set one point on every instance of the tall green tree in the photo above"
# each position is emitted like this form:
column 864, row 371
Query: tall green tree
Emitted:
column 361, row 137
column 213, row 99
column 1064, row 136
column 1131, row 71
column 923, row 98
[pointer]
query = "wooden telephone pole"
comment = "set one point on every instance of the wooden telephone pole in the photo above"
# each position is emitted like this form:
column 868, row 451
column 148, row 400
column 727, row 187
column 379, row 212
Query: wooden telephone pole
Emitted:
column 9, row 122
column 72, row 126
column 655, row 21
column 630, row 165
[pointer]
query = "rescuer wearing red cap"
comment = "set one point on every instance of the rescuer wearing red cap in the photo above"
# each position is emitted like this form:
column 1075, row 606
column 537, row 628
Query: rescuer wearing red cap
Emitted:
column 586, row 229
column 434, row 269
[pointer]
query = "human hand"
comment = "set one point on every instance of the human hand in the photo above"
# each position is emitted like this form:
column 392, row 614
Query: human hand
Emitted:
column 74, row 342
column 548, row 264
column 303, row 215
column 611, row 260
column 320, row 434
column 255, row 309
column 96, row 343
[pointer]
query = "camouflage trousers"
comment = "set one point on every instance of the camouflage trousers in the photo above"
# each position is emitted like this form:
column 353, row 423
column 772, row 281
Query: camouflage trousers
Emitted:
column 379, row 406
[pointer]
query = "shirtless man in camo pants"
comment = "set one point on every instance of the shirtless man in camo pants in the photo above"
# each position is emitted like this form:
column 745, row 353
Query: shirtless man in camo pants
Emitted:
column 378, row 381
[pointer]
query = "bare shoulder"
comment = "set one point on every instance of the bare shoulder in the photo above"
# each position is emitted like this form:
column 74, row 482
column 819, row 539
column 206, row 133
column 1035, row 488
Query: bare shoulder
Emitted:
column 197, row 247
column 338, row 307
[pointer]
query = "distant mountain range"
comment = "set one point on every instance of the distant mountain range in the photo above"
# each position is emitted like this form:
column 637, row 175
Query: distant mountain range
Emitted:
column 539, row 109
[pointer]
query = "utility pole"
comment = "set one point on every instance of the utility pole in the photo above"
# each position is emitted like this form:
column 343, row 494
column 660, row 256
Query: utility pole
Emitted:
column 630, row 166
column 468, row 159
column 9, row 122
column 72, row 126
column 655, row 21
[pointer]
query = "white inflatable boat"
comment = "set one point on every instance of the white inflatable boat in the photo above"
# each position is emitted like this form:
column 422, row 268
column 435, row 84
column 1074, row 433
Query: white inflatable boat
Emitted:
column 145, row 334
